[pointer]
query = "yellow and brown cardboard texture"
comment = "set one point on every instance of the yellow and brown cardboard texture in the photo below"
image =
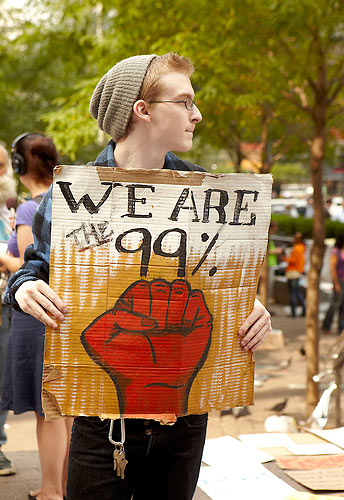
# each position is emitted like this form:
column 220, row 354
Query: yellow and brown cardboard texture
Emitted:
column 159, row 269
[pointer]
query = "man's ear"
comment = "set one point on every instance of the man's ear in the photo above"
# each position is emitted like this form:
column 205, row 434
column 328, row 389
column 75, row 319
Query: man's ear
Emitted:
column 141, row 110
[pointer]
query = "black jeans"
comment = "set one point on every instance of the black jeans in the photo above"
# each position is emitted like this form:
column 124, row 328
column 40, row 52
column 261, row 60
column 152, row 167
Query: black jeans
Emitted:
column 336, row 306
column 4, row 336
column 163, row 460
column 296, row 296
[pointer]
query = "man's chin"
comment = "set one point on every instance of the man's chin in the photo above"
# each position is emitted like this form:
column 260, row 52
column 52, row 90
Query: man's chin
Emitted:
column 183, row 149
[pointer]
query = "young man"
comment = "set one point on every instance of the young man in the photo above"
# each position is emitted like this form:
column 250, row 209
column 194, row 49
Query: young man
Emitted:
column 146, row 103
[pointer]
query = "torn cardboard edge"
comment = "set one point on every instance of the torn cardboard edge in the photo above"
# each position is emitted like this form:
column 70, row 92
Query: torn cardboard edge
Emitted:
column 191, row 178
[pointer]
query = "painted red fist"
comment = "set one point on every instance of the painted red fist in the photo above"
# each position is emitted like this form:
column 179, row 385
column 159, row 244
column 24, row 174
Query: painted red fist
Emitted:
column 152, row 344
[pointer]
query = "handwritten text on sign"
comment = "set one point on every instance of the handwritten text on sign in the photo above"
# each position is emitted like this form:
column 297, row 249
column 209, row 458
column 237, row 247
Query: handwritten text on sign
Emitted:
column 215, row 203
column 159, row 269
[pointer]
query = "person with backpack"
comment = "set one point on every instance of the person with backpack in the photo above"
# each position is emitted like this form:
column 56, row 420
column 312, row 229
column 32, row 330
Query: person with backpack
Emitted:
column 34, row 157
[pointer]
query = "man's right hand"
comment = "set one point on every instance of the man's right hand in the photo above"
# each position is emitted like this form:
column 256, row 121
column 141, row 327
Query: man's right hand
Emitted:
column 38, row 299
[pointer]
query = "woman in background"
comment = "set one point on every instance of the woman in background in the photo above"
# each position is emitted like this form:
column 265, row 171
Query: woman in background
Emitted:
column 33, row 159
column 294, row 271
column 7, row 190
column 337, row 274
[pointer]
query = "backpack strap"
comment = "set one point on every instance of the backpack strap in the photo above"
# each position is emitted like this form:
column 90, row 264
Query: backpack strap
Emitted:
column 38, row 198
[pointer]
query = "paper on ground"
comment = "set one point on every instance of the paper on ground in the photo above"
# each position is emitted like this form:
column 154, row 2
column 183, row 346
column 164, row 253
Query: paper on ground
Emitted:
column 314, row 449
column 243, row 482
column 266, row 440
column 302, row 495
column 226, row 451
column 335, row 436
column 276, row 439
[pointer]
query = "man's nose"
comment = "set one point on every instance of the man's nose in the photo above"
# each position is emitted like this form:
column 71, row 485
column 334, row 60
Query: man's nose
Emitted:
column 196, row 115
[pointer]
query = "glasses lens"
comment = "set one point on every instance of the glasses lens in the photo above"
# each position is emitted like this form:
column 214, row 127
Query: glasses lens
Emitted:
column 189, row 103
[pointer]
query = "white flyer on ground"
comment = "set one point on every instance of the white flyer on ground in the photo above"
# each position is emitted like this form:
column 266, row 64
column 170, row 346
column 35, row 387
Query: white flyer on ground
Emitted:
column 226, row 451
column 280, row 439
column 243, row 482
column 335, row 436
column 266, row 440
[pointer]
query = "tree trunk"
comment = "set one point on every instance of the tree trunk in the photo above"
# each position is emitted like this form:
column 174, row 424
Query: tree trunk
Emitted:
column 238, row 157
column 317, row 254
column 264, row 169
column 265, row 165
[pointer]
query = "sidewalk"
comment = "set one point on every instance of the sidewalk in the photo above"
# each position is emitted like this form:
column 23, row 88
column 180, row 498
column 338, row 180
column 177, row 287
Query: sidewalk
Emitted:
column 21, row 448
column 285, row 370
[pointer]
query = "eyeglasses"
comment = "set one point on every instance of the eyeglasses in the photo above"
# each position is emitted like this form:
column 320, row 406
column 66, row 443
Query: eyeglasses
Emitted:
column 188, row 103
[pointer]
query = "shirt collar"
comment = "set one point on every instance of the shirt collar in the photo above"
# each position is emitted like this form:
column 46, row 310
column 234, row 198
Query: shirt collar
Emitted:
column 106, row 157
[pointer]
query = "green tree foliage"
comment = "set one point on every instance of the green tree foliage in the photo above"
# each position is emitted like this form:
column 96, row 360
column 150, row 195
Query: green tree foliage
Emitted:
column 46, row 63
column 284, row 173
column 244, row 52
column 288, row 226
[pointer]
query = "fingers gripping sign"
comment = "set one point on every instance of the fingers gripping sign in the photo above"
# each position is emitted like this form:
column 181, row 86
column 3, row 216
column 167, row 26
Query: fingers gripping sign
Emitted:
column 146, row 343
column 255, row 328
column 35, row 297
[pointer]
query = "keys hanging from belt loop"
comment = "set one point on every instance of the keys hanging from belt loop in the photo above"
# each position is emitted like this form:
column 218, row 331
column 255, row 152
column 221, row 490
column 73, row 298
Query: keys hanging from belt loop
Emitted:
column 121, row 442
column 119, row 460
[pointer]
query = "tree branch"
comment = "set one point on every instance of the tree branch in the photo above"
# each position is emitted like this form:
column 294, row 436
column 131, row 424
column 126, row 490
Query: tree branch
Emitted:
column 299, row 104
column 312, row 84
column 277, row 143
column 302, row 138
column 276, row 157
column 335, row 92
column 335, row 113
column 339, row 79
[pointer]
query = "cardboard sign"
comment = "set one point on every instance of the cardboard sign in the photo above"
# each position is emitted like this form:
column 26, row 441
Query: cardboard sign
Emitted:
column 320, row 479
column 159, row 269
column 311, row 462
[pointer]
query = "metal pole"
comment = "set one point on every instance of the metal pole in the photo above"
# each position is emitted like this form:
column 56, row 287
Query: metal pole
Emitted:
column 338, row 394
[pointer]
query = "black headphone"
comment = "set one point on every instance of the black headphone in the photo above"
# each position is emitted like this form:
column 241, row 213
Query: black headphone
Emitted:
column 18, row 162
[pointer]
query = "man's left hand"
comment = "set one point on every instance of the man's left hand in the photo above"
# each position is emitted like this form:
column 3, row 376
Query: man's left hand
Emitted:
column 255, row 328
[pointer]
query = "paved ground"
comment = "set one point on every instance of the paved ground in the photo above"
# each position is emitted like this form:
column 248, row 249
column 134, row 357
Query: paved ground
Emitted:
column 284, row 369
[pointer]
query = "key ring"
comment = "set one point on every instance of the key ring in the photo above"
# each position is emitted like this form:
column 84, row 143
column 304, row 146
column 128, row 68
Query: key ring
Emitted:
column 120, row 444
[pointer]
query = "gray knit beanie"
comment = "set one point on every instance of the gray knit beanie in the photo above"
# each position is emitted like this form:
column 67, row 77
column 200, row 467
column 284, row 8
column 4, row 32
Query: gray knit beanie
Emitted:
column 115, row 94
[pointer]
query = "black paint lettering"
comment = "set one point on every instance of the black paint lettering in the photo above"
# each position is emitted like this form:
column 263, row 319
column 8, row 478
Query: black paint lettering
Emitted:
column 240, row 208
column 206, row 253
column 180, row 252
column 97, row 231
column 220, row 208
column 74, row 234
column 84, row 234
column 90, row 206
column 179, row 205
column 87, row 233
column 145, row 247
column 132, row 200
column 101, row 228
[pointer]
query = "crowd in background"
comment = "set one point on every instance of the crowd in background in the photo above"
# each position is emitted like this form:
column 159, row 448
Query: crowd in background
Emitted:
column 293, row 259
